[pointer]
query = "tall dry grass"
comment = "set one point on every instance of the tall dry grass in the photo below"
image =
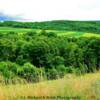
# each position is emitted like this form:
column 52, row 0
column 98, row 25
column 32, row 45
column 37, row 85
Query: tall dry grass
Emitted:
column 86, row 87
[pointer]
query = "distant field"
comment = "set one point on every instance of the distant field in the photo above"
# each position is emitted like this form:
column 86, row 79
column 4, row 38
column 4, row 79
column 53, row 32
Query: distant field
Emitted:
column 59, row 33
column 85, row 87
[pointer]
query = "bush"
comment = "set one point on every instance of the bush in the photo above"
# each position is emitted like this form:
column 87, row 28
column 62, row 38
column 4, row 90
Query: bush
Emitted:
column 48, row 34
column 70, row 69
column 11, row 70
column 52, row 74
column 61, row 69
column 31, row 33
column 8, row 70
column 51, row 34
column 58, row 60
column 29, row 72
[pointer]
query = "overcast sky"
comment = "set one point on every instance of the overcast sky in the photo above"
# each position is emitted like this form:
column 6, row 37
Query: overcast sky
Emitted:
column 42, row 10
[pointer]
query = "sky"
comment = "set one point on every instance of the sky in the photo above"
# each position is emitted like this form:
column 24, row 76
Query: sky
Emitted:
column 44, row 10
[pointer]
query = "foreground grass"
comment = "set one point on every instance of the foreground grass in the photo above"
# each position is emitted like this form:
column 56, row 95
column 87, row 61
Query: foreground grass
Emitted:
column 86, row 87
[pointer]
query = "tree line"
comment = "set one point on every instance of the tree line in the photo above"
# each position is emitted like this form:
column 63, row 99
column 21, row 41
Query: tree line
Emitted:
column 82, row 26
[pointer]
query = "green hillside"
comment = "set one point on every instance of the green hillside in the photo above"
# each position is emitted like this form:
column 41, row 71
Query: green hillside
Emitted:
column 82, row 26
column 18, row 30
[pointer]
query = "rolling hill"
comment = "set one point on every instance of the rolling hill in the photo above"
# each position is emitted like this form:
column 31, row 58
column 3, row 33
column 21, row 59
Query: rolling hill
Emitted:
column 82, row 26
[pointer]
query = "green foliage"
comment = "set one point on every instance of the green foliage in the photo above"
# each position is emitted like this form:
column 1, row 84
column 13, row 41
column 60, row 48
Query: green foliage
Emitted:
column 8, row 69
column 29, row 72
column 58, row 60
column 48, row 34
column 62, row 70
column 86, row 26
column 52, row 74
column 24, row 55
column 30, row 35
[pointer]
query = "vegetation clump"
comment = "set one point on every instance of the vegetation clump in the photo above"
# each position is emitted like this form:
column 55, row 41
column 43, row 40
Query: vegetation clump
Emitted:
column 32, row 54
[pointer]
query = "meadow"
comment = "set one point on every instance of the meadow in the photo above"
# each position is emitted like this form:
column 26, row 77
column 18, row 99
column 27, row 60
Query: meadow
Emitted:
column 58, row 32
column 83, row 87
column 57, row 60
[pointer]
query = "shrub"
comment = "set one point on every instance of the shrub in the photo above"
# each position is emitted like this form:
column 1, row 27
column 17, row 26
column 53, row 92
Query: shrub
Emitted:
column 51, row 34
column 52, row 74
column 61, row 69
column 58, row 60
column 29, row 72
column 8, row 70
column 48, row 34
column 70, row 69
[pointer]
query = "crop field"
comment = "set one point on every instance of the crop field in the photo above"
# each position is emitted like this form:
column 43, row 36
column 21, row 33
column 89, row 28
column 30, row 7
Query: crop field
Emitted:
column 59, row 33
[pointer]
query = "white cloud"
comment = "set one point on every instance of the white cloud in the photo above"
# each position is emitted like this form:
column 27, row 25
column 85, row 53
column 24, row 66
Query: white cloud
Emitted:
column 39, row 10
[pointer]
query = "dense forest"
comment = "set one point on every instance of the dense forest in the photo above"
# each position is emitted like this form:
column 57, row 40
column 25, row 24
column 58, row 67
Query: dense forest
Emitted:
column 83, row 26
column 32, row 55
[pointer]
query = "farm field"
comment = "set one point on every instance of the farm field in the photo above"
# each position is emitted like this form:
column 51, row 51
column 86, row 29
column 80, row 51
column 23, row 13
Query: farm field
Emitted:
column 84, row 87
column 59, row 33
